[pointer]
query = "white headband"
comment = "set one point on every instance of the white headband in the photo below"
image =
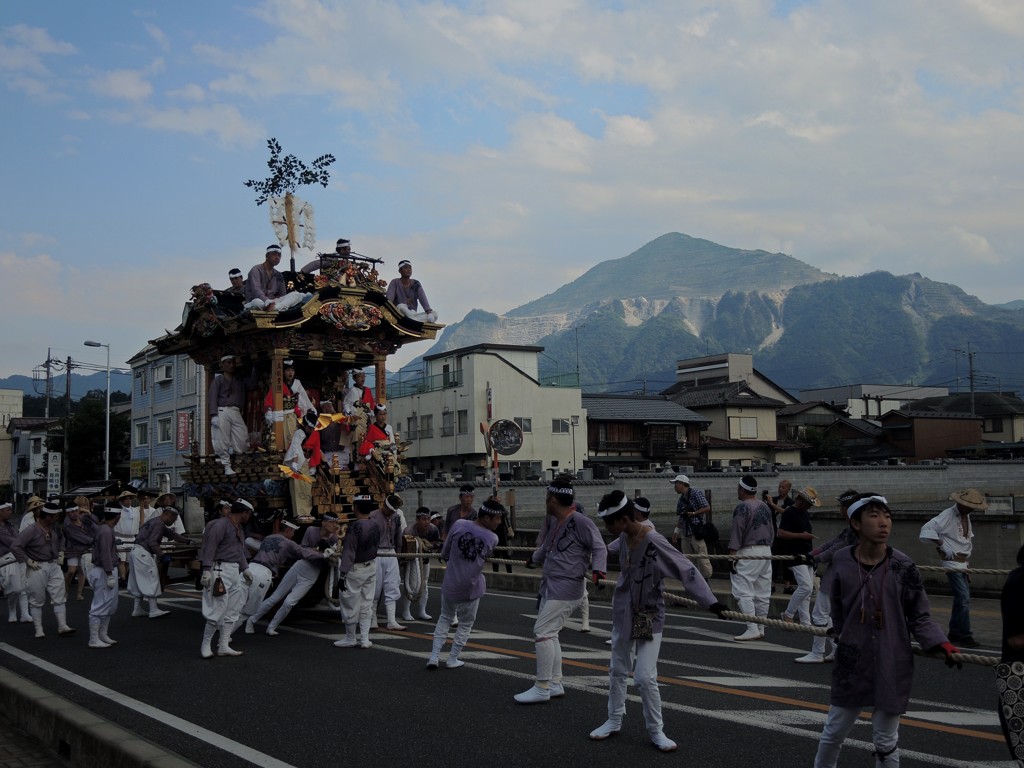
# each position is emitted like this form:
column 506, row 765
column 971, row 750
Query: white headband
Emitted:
column 245, row 503
column 864, row 502
column 641, row 508
column 388, row 505
column 290, row 524
column 612, row 510
column 746, row 487
column 559, row 490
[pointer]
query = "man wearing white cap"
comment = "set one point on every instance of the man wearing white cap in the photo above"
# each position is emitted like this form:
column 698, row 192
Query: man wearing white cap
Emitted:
column 331, row 264
column 12, row 573
column 276, row 551
column 225, row 575
column 691, row 510
column 950, row 532
column 751, row 535
column 225, row 401
column 237, row 282
column 265, row 288
column 407, row 294
column 144, row 577
column 41, row 548
column 358, row 393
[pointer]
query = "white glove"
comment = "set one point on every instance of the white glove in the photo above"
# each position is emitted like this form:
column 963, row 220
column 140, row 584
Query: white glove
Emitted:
column 7, row 559
column 247, row 576
column 60, row 558
column 111, row 581
column 33, row 565
column 312, row 471
column 268, row 416
column 206, row 579
column 330, row 552
column 214, row 422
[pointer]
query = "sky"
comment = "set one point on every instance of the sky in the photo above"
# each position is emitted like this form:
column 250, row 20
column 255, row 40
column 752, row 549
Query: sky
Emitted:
column 503, row 146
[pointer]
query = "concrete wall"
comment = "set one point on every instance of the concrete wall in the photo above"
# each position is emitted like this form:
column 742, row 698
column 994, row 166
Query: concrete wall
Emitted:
column 915, row 494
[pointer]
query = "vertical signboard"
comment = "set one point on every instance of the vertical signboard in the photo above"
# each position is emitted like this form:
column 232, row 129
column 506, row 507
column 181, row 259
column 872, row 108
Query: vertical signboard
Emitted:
column 53, row 472
column 184, row 432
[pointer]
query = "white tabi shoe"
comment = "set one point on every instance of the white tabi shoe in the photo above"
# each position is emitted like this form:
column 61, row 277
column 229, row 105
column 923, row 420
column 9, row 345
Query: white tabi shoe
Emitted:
column 556, row 690
column 602, row 732
column 158, row 613
column 137, row 610
column 663, row 742
column 349, row 641
column 433, row 662
column 454, row 663
column 250, row 627
column 810, row 658
column 535, row 695
column 750, row 634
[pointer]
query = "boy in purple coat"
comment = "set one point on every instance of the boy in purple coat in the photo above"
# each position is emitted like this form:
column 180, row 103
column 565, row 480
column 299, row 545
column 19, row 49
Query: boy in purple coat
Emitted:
column 646, row 558
column 469, row 544
column 878, row 602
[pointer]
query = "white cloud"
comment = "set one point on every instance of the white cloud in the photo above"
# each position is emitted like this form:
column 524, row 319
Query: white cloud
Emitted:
column 126, row 84
column 222, row 121
column 158, row 36
column 188, row 92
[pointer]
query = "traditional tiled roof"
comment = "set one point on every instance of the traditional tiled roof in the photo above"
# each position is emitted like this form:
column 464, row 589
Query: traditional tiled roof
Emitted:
column 718, row 395
column 985, row 404
column 643, row 408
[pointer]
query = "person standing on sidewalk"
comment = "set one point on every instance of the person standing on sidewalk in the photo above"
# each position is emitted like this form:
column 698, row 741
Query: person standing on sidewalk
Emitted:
column 951, row 532
column 821, row 615
column 469, row 544
column 796, row 537
column 638, row 613
column 692, row 509
column 568, row 551
column 103, row 579
column 751, row 535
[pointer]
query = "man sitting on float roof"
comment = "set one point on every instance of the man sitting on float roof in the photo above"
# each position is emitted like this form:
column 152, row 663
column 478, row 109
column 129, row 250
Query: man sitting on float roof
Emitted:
column 407, row 294
column 331, row 261
column 265, row 288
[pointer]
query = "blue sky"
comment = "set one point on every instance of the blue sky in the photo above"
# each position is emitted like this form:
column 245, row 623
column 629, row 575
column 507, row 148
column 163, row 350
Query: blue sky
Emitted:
column 504, row 146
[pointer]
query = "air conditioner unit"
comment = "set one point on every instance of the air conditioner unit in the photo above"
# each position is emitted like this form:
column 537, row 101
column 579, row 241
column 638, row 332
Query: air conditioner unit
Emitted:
column 163, row 374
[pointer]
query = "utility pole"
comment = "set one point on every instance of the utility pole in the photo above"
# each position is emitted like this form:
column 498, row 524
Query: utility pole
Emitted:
column 49, row 362
column 66, row 463
column 970, row 371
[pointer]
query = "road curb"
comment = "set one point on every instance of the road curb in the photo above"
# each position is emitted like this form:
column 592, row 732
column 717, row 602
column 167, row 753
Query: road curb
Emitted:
column 80, row 737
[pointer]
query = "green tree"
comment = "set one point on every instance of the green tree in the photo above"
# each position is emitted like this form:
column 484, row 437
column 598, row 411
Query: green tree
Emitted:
column 821, row 445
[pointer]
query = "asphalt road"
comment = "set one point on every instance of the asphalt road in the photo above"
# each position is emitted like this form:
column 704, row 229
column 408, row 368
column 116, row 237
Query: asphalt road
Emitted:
column 297, row 700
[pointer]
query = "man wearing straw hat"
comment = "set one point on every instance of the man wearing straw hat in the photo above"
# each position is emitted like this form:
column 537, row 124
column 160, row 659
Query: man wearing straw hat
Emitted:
column 951, row 532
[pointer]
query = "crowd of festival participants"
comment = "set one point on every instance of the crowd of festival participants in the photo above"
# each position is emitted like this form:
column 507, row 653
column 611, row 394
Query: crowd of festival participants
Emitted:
column 872, row 599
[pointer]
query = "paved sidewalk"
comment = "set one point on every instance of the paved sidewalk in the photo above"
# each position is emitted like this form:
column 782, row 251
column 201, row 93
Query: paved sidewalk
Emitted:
column 18, row 750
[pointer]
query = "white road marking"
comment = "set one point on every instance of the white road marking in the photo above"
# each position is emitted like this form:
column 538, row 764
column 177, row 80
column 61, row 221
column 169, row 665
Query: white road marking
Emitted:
column 746, row 682
column 956, row 718
column 140, row 707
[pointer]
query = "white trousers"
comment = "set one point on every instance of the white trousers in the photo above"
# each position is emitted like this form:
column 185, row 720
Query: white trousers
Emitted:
column 232, row 434
column 47, row 579
column 12, row 579
column 144, row 575
column 299, row 579
column 799, row 603
column 645, row 675
column 357, row 599
column 224, row 609
column 752, row 583
column 389, row 580
column 885, row 727
column 550, row 619
column 104, row 598
column 262, row 578
column 465, row 612
column 821, row 616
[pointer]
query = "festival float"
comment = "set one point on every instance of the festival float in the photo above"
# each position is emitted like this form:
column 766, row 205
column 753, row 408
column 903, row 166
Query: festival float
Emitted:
column 343, row 324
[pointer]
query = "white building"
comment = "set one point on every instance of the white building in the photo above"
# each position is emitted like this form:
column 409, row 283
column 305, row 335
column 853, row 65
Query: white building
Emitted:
column 28, row 463
column 168, row 403
column 11, row 404
column 441, row 413
column 871, row 401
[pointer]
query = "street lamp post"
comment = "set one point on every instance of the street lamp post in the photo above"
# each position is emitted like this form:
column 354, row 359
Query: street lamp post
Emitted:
column 574, row 422
column 106, row 448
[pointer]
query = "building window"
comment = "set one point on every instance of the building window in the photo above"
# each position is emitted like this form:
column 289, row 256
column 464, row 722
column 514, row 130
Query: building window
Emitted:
column 188, row 385
column 463, row 419
column 742, row 428
column 143, row 382
column 447, row 424
column 560, row 426
column 164, row 434
column 411, row 428
column 142, row 434
column 525, row 424
column 37, row 445
column 163, row 373
column 427, row 426
column 994, row 424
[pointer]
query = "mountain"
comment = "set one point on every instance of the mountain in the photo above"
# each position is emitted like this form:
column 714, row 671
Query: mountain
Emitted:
column 625, row 322
column 80, row 384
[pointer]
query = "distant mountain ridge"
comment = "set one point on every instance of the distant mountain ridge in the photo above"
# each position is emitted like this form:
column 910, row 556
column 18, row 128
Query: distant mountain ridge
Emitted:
column 80, row 384
column 627, row 321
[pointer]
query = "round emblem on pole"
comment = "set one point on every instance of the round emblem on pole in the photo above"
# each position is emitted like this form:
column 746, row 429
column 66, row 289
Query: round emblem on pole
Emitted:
column 506, row 437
